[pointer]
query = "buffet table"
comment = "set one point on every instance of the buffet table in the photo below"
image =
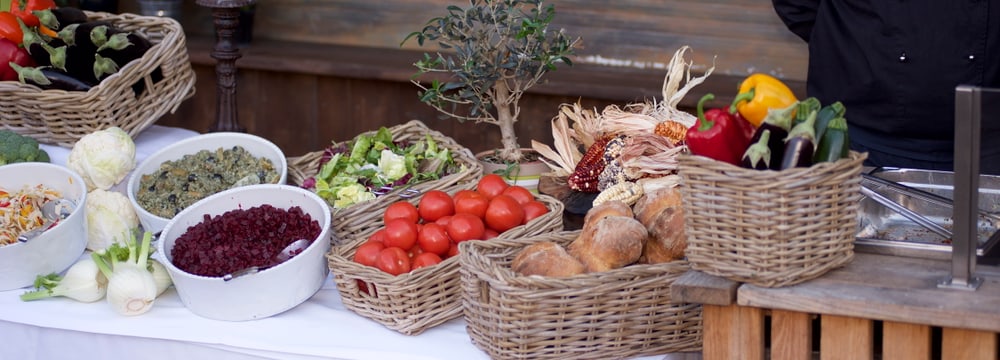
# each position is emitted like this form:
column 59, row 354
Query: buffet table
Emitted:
column 61, row 328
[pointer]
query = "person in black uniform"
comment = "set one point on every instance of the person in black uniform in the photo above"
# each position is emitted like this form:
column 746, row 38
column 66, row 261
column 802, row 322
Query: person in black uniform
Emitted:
column 895, row 64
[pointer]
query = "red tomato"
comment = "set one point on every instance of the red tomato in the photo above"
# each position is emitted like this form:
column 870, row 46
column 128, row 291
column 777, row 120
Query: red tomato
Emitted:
column 461, row 194
column 490, row 233
column 426, row 259
column 378, row 235
column 394, row 260
column 533, row 210
column 415, row 251
column 401, row 210
column 519, row 193
column 491, row 185
column 367, row 253
column 472, row 203
column 443, row 221
column 504, row 213
column 453, row 250
column 434, row 238
column 400, row 233
column 464, row 227
column 435, row 204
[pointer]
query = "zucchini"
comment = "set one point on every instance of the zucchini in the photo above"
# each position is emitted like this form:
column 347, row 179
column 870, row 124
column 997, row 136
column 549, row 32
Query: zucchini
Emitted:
column 835, row 144
column 826, row 114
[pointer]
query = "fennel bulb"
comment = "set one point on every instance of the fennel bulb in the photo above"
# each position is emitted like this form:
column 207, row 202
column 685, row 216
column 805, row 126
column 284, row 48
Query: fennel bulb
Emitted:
column 103, row 158
column 82, row 282
column 132, row 289
column 111, row 218
column 161, row 276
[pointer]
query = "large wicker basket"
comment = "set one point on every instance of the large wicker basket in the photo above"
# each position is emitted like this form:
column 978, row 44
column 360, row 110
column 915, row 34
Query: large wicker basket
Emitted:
column 362, row 219
column 413, row 302
column 164, row 77
column 614, row 314
column 770, row 228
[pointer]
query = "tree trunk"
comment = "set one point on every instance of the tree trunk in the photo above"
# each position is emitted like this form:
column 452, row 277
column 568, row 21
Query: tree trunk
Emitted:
column 511, row 151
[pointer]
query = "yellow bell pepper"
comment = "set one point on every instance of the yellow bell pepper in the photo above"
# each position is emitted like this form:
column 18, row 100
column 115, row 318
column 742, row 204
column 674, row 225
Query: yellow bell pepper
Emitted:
column 759, row 93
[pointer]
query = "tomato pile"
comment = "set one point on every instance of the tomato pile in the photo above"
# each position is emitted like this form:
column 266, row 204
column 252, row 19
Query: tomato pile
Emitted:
column 425, row 234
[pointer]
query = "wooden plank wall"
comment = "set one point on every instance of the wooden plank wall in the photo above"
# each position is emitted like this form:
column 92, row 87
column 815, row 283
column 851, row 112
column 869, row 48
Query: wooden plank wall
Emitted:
column 309, row 97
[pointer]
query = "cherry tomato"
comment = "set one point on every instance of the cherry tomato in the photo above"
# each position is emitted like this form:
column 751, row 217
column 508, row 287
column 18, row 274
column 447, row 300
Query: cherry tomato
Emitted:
column 400, row 233
column 415, row 251
column 394, row 260
column 401, row 210
column 533, row 210
column 490, row 233
column 491, row 185
column 426, row 259
column 519, row 193
column 367, row 253
column 504, row 213
column 472, row 203
column 435, row 204
column 434, row 238
column 463, row 227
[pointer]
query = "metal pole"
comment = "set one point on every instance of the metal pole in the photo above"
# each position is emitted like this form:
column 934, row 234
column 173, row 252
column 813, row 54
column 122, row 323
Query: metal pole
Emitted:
column 965, row 240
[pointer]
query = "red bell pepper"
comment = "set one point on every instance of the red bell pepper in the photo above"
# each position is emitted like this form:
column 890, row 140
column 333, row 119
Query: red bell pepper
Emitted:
column 24, row 9
column 11, row 53
column 717, row 134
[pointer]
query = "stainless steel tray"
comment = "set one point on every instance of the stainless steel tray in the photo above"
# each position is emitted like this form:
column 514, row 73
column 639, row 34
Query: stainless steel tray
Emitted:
column 883, row 231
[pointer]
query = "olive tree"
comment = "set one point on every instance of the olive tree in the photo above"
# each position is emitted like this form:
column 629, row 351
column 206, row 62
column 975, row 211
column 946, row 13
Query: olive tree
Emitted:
column 490, row 53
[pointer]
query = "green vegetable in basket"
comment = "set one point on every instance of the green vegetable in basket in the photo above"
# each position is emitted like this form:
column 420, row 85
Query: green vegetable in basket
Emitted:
column 374, row 164
column 16, row 148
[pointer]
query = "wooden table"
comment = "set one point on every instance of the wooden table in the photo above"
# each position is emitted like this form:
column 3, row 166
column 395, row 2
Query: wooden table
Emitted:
column 877, row 306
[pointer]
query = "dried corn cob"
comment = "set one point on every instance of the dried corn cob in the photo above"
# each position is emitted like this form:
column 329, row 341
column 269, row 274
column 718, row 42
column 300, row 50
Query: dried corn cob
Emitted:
column 672, row 130
column 585, row 177
column 624, row 191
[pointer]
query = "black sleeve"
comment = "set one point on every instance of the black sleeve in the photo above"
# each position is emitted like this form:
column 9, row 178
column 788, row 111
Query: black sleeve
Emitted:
column 798, row 15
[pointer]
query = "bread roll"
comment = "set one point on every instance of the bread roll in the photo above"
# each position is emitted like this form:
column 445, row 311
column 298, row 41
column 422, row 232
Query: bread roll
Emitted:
column 610, row 242
column 546, row 258
column 662, row 214
column 607, row 208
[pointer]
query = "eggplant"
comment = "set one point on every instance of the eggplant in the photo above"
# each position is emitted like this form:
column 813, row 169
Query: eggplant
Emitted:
column 121, row 47
column 59, row 17
column 758, row 154
column 778, row 122
column 800, row 144
column 48, row 78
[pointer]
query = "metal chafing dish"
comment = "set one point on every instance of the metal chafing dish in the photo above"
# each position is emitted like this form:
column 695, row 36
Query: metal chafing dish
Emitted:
column 928, row 193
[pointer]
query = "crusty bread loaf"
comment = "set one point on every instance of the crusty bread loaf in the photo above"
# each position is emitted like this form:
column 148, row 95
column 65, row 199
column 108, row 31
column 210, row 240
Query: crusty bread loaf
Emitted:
column 607, row 208
column 611, row 242
column 546, row 258
column 662, row 213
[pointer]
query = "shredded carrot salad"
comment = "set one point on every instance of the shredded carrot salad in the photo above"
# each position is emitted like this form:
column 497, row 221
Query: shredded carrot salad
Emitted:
column 21, row 211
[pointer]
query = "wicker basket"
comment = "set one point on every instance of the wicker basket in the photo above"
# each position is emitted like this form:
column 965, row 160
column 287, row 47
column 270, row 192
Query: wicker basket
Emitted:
column 361, row 220
column 62, row 117
column 413, row 302
column 770, row 228
column 614, row 314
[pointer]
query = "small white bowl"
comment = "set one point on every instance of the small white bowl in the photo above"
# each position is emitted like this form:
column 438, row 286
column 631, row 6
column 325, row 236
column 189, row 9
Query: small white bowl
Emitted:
column 55, row 249
column 255, row 145
column 258, row 295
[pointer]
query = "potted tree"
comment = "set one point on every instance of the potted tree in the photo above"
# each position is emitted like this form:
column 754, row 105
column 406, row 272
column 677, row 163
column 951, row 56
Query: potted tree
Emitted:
column 494, row 51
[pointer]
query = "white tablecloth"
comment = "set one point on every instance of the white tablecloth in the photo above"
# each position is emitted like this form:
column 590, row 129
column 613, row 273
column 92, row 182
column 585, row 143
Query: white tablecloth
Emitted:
column 61, row 328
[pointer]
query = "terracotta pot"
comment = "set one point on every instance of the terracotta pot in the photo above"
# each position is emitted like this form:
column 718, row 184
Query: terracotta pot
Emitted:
column 526, row 174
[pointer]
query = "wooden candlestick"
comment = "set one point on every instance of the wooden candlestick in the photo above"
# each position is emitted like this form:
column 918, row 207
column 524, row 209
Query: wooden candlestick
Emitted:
column 226, row 15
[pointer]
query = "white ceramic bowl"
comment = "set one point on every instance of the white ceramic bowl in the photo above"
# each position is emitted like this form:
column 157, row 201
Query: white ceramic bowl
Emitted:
column 55, row 249
column 258, row 295
column 256, row 145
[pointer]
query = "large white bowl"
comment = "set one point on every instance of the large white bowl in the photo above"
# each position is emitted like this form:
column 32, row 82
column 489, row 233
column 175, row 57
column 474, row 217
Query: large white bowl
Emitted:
column 255, row 145
column 258, row 295
column 55, row 249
